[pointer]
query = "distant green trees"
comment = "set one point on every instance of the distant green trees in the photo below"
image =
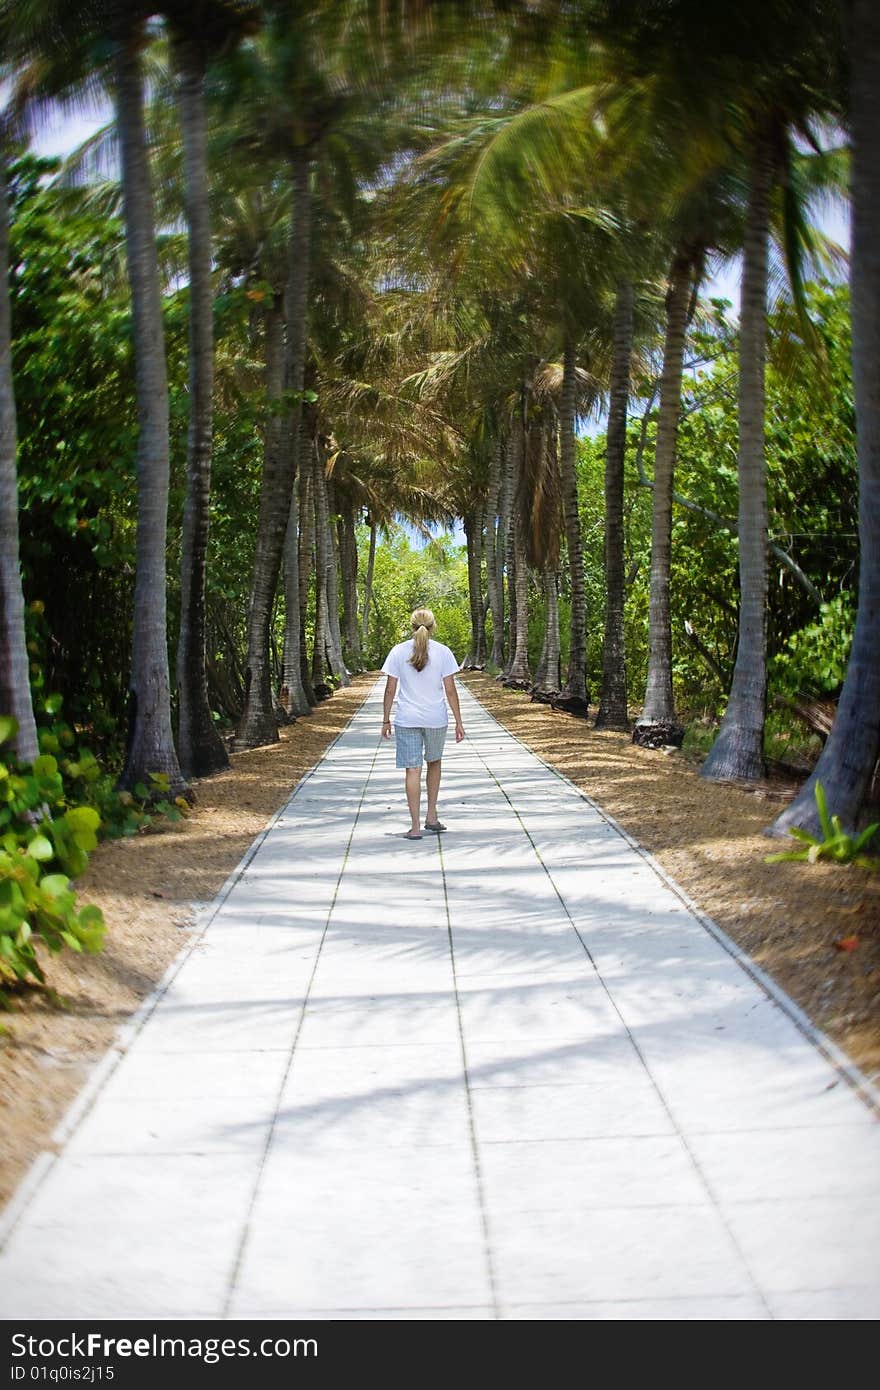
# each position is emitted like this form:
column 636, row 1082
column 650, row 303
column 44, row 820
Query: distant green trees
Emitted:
column 811, row 466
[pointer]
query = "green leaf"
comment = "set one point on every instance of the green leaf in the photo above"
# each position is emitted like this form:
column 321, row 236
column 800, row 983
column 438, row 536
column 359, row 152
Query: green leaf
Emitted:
column 822, row 808
column 867, row 834
column 45, row 766
column 8, row 728
column 55, row 884
column 40, row 848
column 83, row 818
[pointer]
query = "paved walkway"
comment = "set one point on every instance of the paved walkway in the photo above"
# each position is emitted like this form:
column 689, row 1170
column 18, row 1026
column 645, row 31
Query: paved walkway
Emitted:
column 504, row 1072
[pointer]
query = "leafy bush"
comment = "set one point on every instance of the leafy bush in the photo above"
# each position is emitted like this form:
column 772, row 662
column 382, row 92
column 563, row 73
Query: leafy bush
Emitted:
column 815, row 657
column 85, row 782
column 40, row 853
column 52, row 814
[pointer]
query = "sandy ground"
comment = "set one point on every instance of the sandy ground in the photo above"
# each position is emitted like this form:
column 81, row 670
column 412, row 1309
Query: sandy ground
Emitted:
column 147, row 888
column 708, row 837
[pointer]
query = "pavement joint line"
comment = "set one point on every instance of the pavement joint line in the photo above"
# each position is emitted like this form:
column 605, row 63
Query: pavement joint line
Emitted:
column 242, row 1244
column 707, row 1186
column 863, row 1085
column 472, row 1132
column 103, row 1069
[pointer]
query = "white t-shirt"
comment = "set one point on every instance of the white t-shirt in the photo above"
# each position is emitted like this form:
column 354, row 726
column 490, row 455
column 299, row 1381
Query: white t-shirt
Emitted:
column 421, row 698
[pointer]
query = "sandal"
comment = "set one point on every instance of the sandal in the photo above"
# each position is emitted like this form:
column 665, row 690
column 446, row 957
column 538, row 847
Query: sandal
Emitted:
column 434, row 825
column 412, row 836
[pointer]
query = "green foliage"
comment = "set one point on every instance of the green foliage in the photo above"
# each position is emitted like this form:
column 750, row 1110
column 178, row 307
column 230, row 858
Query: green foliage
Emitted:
column 407, row 578
column 52, row 815
column 834, row 843
column 77, row 429
column 814, row 658
column 812, row 492
column 84, row 785
column 42, row 849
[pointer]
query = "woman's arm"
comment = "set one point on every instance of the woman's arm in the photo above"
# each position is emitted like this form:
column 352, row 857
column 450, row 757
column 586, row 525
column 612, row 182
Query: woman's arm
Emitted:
column 390, row 687
column 452, row 697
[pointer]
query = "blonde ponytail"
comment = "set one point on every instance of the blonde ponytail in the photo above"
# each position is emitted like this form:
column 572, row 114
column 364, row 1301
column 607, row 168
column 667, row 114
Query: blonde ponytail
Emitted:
column 422, row 623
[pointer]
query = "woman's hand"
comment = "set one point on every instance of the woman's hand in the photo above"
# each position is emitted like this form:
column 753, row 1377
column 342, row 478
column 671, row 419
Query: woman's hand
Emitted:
column 386, row 728
column 459, row 733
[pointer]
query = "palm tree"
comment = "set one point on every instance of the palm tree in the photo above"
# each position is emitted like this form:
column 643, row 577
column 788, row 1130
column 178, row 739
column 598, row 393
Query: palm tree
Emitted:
column 738, row 751
column 348, row 570
column 612, row 712
column 293, row 696
column 199, row 28
column 150, row 745
column 368, row 582
column 494, row 561
column 543, row 536
column 659, row 703
column 518, row 674
column 15, row 690
column 258, row 724
column 576, row 680
column 846, row 765
column 334, row 633
column 306, row 560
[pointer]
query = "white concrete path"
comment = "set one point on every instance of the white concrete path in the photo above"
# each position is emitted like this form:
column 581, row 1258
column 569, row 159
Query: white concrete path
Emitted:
column 504, row 1072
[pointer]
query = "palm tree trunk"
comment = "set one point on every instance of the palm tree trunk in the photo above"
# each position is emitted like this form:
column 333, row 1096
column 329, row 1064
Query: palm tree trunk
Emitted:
column 348, row 565
column 368, row 586
column 306, row 557
column 258, row 723
column 576, row 684
column 201, row 749
column 475, row 658
column 321, row 643
column 334, row 649
column 659, row 706
column 738, row 751
column 612, row 706
column 539, row 678
column 511, row 561
column 548, row 678
column 15, row 689
column 494, row 571
column 506, row 553
column 504, row 543
column 518, row 674
column 480, row 652
column 847, row 762
column 292, row 697
column 150, row 741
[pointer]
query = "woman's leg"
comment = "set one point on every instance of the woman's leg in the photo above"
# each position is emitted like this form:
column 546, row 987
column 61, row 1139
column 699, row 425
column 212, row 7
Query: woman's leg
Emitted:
column 414, row 794
column 432, row 778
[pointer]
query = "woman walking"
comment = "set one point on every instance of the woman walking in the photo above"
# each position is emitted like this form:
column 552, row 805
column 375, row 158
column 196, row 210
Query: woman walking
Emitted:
column 421, row 672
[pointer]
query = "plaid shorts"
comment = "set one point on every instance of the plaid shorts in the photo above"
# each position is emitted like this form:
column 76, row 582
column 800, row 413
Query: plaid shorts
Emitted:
column 411, row 742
